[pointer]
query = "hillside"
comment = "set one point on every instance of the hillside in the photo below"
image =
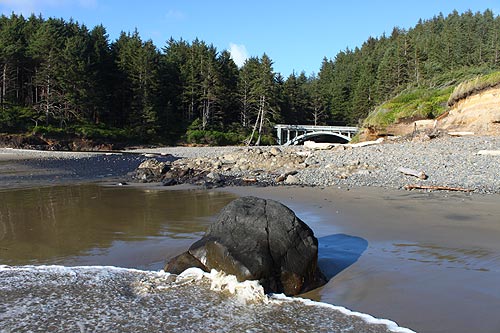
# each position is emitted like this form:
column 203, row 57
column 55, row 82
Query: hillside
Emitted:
column 471, row 106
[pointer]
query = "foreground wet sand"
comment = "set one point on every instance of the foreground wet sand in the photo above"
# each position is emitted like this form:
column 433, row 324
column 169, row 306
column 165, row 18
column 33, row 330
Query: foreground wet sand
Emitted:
column 432, row 262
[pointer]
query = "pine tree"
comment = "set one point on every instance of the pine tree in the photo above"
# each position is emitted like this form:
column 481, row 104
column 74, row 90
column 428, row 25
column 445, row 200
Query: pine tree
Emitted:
column 137, row 83
column 45, row 49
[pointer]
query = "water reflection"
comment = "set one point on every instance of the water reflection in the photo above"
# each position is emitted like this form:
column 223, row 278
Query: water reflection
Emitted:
column 476, row 259
column 51, row 224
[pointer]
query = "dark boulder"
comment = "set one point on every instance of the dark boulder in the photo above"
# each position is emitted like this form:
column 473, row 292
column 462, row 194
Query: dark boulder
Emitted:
column 258, row 239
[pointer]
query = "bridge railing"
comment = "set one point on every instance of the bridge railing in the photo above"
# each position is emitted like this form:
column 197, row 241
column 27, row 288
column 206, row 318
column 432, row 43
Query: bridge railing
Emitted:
column 286, row 133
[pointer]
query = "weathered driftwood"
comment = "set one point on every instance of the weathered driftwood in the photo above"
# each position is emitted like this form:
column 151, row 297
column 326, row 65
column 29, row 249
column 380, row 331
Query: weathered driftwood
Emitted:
column 318, row 145
column 365, row 143
column 437, row 188
column 249, row 180
column 460, row 133
column 489, row 152
column 412, row 172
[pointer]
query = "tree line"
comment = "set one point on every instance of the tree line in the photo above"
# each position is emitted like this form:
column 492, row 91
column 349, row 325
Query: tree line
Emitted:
column 60, row 77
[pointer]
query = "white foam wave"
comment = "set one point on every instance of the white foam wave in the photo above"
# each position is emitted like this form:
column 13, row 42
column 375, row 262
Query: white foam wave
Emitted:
column 391, row 325
column 246, row 291
column 249, row 291
column 72, row 269
column 151, row 282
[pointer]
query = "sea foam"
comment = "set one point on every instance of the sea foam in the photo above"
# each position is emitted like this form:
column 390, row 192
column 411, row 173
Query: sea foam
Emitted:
column 114, row 298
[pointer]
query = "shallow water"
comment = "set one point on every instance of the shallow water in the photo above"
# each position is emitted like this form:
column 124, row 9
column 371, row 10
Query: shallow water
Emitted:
column 139, row 228
column 97, row 225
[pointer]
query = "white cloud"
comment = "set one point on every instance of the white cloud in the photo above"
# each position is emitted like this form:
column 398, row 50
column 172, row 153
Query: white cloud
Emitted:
column 175, row 15
column 89, row 4
column 239, row 53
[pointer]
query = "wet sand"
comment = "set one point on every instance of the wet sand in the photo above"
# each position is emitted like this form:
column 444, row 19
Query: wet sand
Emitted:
column 432, row 262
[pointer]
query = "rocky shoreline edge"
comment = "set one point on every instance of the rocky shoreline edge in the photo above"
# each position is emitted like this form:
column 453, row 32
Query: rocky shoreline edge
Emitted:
column 467, row 164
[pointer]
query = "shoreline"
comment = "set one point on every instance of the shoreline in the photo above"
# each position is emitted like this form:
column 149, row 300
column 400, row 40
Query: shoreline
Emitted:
column 446, row 162
column 427, row 251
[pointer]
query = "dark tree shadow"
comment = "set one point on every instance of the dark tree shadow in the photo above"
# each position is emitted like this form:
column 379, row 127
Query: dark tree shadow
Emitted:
column 337, row 252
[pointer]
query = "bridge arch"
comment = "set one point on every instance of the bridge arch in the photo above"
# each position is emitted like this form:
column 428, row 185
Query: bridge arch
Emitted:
column 339, row 138
column 294, row 134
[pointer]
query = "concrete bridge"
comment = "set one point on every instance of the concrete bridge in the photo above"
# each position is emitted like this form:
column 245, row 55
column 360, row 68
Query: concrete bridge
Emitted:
column 296, row 134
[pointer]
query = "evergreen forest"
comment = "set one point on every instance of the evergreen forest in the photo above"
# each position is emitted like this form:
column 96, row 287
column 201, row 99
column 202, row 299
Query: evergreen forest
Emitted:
column 60, row 78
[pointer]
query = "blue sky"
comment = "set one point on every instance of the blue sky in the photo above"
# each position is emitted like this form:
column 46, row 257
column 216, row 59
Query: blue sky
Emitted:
column 297, row 35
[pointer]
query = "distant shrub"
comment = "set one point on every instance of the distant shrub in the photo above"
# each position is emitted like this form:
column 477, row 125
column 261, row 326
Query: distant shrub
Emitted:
column 214, row 138
column 50, row 131
column 100, row 132
column 16, row 119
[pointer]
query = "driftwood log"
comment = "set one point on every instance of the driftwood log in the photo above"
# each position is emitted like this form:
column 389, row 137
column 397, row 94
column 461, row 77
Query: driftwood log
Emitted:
column 489, row 152
column 412, row 172
column 249, row 180
column 460, row 133
column 365, row 143
column 437, row 188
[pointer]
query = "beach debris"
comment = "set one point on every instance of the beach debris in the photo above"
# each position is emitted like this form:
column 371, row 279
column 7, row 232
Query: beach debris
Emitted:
column 489, row 152
column 249, row 180
column 460, row 133
column 291, row 180
column 412, row 172
column 437, row 188
column 365, row 143
column 318, row 145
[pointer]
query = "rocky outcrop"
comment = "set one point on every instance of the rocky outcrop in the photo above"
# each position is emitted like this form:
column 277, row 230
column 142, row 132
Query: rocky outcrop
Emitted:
column 245, row 166
column 258, row 239
column 260, row 166
column 151, row 170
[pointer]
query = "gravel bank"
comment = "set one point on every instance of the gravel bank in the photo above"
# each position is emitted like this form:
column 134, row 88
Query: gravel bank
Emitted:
column 451, row 162
column 447, row 161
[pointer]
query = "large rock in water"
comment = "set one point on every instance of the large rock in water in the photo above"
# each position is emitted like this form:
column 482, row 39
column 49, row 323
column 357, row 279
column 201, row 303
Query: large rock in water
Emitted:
column 258, row 239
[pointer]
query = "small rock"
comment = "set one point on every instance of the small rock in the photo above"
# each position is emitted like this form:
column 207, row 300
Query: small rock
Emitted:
column 291, row 179
column 280, row 178
column 169, row 182
column 275, row 151
column 216, row 177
